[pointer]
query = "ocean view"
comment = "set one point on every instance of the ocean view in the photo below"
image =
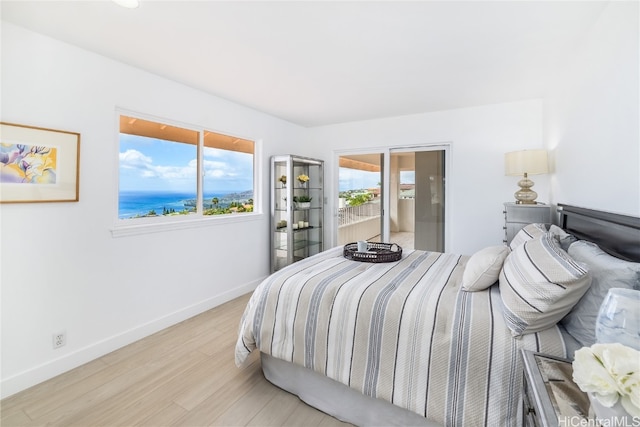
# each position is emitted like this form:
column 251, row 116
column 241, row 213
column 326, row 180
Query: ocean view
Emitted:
column 134, row 203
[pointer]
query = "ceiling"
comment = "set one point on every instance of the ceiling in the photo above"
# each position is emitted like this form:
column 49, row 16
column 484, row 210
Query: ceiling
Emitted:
column 324, row 62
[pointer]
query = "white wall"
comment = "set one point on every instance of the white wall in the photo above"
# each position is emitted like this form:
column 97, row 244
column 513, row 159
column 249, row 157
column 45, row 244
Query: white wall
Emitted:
column 61, row 268
column 592, row 114
column 479, row 137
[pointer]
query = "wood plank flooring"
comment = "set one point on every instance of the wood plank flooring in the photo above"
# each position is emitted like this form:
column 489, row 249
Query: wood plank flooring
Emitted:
column 182, row 376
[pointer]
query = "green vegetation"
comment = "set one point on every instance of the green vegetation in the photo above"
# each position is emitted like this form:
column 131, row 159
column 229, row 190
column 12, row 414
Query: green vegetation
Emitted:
column 356, row 197
column 165, row 212
column 232, row 208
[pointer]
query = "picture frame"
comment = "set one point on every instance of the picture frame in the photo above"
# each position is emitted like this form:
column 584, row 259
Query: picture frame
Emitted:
column 38, row 164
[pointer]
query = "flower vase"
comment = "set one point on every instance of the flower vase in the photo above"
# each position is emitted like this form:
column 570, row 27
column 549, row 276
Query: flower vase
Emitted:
column 619, row 318
column 303, row 184
column 614, row 416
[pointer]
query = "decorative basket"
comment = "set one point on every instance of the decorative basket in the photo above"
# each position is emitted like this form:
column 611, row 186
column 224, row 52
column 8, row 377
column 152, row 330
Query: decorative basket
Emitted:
column 376, row 252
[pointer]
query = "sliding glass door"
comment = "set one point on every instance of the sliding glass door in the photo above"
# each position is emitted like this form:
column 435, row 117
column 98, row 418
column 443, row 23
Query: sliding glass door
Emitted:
column 396, row 195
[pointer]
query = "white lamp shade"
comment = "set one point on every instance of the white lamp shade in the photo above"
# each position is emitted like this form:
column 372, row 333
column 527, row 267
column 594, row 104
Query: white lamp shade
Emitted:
column 531, row 162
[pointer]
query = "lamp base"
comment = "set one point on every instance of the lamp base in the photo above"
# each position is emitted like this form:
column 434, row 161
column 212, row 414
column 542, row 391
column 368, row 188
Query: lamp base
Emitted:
column 525, row 196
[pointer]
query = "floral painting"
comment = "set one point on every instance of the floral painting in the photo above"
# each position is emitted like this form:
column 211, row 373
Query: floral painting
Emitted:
column 38, row 164
column 30, row 164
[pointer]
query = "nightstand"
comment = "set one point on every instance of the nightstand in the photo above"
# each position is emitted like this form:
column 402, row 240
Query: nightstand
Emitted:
column 550, row 397
column 517, row 216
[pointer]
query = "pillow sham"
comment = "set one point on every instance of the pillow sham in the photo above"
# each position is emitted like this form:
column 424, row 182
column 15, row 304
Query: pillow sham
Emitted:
column 483, row 268
column 539, row 284
column 607, row 272
column 528, row 232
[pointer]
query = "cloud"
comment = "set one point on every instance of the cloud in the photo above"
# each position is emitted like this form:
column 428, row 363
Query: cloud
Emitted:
column 226, row 164
column 134, row 159
column 215, row 169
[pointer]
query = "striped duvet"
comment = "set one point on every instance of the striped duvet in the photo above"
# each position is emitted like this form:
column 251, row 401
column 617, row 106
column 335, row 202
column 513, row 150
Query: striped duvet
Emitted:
column 404, row 332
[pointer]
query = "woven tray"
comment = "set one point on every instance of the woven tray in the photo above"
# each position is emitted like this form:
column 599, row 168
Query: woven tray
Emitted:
column 376, row 252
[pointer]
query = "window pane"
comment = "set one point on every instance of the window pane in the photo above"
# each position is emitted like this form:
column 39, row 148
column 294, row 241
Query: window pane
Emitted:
column 228, row 174
column 158, row 169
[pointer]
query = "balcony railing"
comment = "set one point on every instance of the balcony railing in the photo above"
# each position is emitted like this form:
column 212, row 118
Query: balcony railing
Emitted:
column 354, row 214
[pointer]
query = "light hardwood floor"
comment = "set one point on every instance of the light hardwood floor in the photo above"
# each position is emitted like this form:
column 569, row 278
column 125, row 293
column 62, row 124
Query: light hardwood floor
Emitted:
column 182, row 376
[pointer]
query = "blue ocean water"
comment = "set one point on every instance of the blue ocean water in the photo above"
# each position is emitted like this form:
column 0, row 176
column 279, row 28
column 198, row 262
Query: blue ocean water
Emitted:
column 132, row 203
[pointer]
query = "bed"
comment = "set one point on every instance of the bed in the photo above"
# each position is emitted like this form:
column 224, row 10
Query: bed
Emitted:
column 435, row 339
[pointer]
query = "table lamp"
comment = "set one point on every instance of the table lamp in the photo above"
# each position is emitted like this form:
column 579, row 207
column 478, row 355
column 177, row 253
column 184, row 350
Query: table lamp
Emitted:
column 525, row 163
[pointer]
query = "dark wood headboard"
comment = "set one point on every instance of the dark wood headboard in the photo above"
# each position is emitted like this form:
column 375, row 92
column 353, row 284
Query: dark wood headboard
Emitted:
column 616, row 234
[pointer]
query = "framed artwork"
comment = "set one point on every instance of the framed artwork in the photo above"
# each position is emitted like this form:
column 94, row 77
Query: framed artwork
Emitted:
column 38, row 164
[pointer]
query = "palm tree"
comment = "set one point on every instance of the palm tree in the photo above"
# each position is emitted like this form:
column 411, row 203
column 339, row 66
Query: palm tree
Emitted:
column 215, row 201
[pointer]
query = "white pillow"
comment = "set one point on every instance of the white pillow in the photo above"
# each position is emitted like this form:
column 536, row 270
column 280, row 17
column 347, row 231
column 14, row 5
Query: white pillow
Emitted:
column 539, row 284
column 607, row 272
column 483, row 268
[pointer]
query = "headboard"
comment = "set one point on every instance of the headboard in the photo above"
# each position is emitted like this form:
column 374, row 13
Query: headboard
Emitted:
column 616, row 234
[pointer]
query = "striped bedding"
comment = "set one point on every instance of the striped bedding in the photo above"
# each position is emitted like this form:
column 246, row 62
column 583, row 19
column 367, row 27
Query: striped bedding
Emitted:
column 404, row 332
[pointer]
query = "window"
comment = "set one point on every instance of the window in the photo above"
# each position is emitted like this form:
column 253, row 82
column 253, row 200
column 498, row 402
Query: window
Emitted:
column 160, row 165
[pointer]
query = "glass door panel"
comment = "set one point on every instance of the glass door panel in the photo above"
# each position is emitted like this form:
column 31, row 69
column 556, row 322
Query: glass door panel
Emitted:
column 416, row 196
column 429, row 201
column 402, row 199
column 360, row 198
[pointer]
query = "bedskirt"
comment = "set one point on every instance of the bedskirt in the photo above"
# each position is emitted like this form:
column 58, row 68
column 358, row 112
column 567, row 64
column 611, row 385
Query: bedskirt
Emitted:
column 336, row 399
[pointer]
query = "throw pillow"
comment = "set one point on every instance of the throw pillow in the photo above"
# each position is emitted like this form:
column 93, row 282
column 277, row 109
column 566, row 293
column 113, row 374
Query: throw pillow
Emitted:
column 483, row 268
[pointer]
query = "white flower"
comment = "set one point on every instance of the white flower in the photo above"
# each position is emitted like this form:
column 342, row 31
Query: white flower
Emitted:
column 610, row 371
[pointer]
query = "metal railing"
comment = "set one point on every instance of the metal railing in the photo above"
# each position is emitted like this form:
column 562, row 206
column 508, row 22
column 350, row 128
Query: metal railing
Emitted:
column 353, row 214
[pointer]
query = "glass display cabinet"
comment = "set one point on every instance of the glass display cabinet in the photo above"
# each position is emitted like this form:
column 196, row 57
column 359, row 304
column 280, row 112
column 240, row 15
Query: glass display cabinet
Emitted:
column 297, row 200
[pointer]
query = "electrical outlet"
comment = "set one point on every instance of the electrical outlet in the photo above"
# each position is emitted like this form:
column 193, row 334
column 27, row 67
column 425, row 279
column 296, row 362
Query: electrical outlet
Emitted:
column 59, row 339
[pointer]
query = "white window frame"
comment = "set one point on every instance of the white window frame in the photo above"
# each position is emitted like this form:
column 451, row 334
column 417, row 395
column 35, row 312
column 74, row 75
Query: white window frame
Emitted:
column 130, row 227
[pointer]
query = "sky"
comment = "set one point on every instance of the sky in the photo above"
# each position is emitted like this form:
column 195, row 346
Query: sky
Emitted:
column 149, row 164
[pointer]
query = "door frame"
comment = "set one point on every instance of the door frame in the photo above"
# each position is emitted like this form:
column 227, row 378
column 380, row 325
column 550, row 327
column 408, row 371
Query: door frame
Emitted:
column 386, row 203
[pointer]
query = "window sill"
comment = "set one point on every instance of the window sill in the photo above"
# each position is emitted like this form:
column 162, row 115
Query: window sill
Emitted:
column 181, row 224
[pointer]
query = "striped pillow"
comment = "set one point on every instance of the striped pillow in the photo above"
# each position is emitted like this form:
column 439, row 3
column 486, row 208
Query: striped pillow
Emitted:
column 539, row 284
column 528, row 232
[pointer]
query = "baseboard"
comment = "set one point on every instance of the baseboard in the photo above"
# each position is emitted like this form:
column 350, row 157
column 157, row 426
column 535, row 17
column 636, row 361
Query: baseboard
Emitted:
column 30, row 377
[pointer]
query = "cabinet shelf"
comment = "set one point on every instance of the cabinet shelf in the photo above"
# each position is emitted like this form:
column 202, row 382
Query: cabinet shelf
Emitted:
column 288, row 244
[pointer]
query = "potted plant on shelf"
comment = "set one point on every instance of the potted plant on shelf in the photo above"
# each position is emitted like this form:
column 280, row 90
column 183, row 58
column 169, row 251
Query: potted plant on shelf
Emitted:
column 302, row 202
column 283, row 180
column 303, row 179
